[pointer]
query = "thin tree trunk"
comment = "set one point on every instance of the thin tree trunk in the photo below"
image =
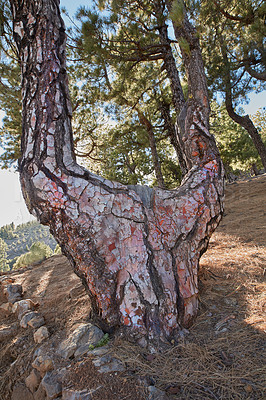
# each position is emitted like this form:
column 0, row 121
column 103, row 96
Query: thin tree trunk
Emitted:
column 246, row 123
column 155, row 158
column 177, row 97
column 137, row 251
column 243, row 121
column 171, row 129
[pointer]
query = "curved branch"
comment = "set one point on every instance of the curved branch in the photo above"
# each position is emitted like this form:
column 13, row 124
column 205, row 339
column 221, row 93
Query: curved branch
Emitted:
column 255, row 74
column 247, row 19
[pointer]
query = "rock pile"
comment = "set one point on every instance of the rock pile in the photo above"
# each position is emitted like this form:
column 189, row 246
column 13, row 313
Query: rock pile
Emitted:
column 46, row 380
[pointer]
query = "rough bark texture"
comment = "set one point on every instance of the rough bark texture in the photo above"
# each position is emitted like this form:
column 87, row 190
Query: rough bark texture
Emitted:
column 155, row 158
column 136, row 248
column 171, row 129
column 177, row 95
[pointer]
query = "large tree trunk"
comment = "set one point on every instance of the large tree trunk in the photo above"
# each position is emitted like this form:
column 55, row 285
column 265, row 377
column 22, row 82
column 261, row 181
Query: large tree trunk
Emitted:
column 136, row 249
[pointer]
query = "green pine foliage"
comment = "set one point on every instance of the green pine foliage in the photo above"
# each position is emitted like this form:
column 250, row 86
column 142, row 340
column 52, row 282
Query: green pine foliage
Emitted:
column 10, row 92
column 177, row 12
column 237, row 28
column 4, row 265
column 117, row 72
column 57, row 250
column 235, row 145
column 38, row 252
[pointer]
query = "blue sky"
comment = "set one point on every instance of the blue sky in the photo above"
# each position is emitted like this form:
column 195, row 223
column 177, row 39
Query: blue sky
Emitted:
column 12, row 206
column 72, row 6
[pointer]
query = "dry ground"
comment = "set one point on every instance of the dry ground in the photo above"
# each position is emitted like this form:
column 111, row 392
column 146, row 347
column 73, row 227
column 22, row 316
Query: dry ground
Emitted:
column 223, row 354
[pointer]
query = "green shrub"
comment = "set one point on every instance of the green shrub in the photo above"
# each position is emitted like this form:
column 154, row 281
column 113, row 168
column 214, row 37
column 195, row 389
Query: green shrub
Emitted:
column 38, row 252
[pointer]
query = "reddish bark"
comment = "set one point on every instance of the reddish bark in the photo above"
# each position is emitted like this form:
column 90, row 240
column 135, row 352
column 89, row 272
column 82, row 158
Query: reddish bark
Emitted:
column 136, row 248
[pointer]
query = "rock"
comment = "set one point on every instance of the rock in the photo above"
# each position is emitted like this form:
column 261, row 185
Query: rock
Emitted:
column 82, row 350
column 87, row 349
column 156, row 394
column 6, row 307
column 14, row 293
column 51, row 384
column 43, row 364
column 69, row 394
column 36, row 322
column 99, row 351
column 107, row 363
column 27, row 317
column 84, row 334
column 33, row 380
column 21, row 392
column 22, row 306
column 40, row 394
column 41, row 334
column 6, row 333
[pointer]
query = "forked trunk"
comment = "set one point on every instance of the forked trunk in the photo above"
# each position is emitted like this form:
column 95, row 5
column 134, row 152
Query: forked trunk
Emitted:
column 136, row 249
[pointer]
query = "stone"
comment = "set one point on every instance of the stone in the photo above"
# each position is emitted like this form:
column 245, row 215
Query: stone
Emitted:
column 51, row 384
column 41, row 334
column 7, row 332
column 100, row 351
column 21, row 392
column 33, row 380
column 22, row 306
column 43, row 364
column 6, row 307
column 14, row 293
column 86, row 348
column 156, row 394
column 69, row 394
column 84, row 334
column 40, row 394
column 82, row 350
column 27, row 317
column 107, row 363
column 36, row 322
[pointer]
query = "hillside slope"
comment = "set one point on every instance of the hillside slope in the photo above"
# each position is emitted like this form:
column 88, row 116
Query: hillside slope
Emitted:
column 220, row 357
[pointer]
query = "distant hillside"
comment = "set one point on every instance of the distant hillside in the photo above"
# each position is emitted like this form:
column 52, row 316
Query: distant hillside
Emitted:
column 20, row 239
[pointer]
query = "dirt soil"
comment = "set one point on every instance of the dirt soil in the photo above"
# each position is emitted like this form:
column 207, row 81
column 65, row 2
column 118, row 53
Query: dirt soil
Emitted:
column 222, row 356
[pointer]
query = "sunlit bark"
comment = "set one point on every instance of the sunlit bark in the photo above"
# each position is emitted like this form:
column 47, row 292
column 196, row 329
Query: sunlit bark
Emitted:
column 136, row 249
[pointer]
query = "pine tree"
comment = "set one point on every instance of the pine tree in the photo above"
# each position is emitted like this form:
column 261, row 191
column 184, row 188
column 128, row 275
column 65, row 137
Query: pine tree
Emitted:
column 136, row 248
column 4, row 266
column 232, row 36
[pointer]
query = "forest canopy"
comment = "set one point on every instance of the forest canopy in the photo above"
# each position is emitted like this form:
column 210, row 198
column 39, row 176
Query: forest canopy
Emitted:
column 124, row 111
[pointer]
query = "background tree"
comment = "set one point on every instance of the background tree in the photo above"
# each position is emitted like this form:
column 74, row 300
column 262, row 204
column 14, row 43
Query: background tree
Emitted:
column 232, row 35
column 37, row 253
column 4, row 266
column 235, row 145
column 127, row 55
column 126, row 69
column 10, row 93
